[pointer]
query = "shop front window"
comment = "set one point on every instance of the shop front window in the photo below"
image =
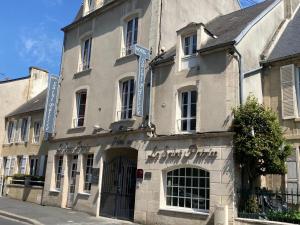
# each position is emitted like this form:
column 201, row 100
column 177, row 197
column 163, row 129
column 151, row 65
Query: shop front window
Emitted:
column 188, row 188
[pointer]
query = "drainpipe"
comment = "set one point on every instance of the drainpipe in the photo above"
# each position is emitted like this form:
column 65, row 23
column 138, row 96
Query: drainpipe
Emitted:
column 150, row 97
column 241, row 75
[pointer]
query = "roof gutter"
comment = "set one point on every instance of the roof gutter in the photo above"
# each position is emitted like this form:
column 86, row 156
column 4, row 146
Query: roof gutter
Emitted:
column 280, row 59
column 255, row 21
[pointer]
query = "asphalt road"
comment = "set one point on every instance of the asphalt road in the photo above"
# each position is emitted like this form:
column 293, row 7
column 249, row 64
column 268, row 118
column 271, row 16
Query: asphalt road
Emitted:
column 5, row 221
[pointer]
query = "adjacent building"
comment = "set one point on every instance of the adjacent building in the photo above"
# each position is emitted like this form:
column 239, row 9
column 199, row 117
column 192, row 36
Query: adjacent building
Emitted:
column 24, row 152
column 15, row 93
column 282, row 94
column 169, row 159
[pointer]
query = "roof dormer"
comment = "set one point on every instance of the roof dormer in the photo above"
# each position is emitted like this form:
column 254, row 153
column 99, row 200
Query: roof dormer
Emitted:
column 189, row 40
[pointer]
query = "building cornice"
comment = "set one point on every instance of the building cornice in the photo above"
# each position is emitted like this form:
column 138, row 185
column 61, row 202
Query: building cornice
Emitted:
column 93, row 14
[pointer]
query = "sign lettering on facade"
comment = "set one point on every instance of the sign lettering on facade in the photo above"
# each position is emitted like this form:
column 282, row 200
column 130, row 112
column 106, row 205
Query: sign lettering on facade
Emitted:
column 144, row 55
column 51, row 104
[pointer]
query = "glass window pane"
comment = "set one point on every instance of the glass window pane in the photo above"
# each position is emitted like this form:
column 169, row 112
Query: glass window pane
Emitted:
column 182, row 172
column 188, row 172
column 193, row 124
column 181, row 202
column 188, row 203
column 176, row 173
column 175, row 201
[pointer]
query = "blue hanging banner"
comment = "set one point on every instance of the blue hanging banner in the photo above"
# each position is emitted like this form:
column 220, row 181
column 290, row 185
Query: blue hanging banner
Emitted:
column 51, row 104
column 144, row 55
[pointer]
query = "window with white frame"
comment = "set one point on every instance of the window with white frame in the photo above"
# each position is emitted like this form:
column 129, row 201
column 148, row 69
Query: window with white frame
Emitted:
column 34, row 165
column 190, row 45
column 22, row 164
column 10, row 166
column 127, row 93
column 36, row 132
column 188, row 188
column 58, row 175
column 10, row 132
column 188, row 106
column 81, row 97
column 131, row 35
column 88, row 173
column 86, row 50
column 23, row 129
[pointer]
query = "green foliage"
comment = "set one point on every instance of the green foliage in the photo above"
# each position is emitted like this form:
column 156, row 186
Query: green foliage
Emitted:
column 289, row 216
column 24, row 176
column 251, row 205
column 260, row 147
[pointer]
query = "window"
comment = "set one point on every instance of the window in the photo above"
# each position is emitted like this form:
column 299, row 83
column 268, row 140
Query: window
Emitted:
column 86, row 54
column 34, row 166
column 22, row 164
column 88, row 173
column 188, row 188
column 10, row 130
column 36, row 132
column 190, row 45
column 80, row 108
column 59, row 165
column 188, row 111
column 127, row 92
column 131, row 34
column 10, row 166
column 24, row 126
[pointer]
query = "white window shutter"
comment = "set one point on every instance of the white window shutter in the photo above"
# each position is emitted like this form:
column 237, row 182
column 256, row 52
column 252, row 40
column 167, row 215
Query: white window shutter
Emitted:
column 1, row 164
column 7, row 166
column 288, row 91
column 16, row 130
column 28, row 129
column 41, row 165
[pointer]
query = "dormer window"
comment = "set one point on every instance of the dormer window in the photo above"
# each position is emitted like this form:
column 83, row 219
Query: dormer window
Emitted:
column 190, row 45
column 90, row 6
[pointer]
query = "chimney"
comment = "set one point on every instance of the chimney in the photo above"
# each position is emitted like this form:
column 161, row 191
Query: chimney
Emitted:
column 38, row 81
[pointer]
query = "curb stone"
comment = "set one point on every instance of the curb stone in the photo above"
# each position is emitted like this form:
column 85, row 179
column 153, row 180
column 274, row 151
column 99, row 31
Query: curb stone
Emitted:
column 19, row 218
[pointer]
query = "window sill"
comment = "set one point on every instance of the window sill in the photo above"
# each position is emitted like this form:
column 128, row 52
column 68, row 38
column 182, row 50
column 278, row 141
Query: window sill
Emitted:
column 76, row 130
column 297, row 120
column 187, row 57
column 187, row 211
column 84, row 193
column 7, row 144
column 82, row 73
column 126, row 58
column 54, row 191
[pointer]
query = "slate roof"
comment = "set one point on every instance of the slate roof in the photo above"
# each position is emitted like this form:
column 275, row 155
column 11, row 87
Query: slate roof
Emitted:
column 34, row 104
column 288, row 44
column 225, row 28
column 228, row 27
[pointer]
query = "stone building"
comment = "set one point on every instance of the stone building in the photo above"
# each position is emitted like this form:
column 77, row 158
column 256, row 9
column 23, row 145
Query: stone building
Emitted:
column 17, row 91
column 13, row 94
column 282, row 94
column 24, row 152
column 167, row 159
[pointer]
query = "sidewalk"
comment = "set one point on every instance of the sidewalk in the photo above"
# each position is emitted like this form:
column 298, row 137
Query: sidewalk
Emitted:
column 54, row 216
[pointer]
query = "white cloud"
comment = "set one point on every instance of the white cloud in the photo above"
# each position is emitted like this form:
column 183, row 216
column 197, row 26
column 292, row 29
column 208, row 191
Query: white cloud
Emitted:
column 36, row 46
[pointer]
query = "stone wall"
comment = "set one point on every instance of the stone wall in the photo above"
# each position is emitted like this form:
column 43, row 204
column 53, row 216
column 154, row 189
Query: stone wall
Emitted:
column 28, row 194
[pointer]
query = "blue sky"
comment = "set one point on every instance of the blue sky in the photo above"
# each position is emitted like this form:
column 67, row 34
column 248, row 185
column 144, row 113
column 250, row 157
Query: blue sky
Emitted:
column 31, row 34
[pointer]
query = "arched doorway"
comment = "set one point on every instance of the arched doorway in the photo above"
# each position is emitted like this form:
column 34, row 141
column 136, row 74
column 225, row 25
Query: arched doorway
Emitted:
column 119, row 184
